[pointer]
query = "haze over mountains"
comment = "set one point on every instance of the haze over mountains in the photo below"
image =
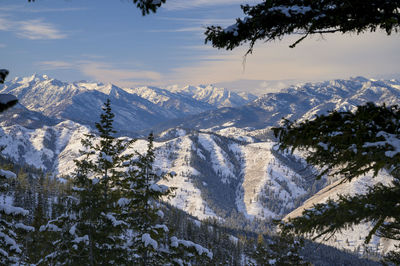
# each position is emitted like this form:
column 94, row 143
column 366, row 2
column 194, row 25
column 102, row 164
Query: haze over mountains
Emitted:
column 218, row 142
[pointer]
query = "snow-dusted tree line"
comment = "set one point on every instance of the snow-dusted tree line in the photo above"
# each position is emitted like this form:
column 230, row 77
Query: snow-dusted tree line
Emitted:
column 110, row 215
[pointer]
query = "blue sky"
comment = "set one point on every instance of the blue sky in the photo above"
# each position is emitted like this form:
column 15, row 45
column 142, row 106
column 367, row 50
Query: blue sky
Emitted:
column 109, row 41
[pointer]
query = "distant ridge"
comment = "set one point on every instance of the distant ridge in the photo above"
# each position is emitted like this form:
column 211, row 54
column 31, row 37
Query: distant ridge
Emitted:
column 135, row 108
column 301, row 101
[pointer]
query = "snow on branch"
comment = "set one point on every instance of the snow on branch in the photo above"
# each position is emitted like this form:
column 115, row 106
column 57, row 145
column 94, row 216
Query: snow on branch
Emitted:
column 10, row 242
column 7, row 174
column 11, row 210
column 391, row 140
column 175, row 242
column 158, row 188
column 114, row 220
column 147, row 240
column 24, row 227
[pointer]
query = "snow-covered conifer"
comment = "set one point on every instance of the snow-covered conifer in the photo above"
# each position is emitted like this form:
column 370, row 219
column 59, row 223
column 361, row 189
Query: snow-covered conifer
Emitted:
column 113, row 215
column 11, row 225
column 150, row 240
column 282, row 249
column 89, row 232
column 351, row 144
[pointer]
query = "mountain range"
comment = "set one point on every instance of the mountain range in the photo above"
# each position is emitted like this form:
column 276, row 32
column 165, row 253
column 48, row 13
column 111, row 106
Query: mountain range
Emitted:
column 218, row 142
column 302, row 101
column 135, row 108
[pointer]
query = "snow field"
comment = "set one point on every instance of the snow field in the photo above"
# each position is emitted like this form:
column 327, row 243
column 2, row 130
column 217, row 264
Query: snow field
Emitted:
column 188, row 197
column 220, row 162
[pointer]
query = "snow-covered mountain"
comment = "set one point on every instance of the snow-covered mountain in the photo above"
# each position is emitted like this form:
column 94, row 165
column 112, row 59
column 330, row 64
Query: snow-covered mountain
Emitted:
column 224, row 162
column 217, row 97
column 178, row 104
column 135, row 109
column 216, row 175
column 20, row 115
column 296, row 102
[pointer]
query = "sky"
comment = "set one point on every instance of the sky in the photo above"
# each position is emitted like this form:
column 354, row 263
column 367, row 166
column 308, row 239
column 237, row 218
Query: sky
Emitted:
column 110, row 41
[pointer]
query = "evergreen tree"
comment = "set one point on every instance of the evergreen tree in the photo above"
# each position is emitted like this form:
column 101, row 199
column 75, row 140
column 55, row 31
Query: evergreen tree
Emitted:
column 279, row 250
column 261, row 254
column 38, row 243
column 351, row 144
column 89, row 232
column 274, row 19
column 149, row 238
column 11, row 225
column 113, row 215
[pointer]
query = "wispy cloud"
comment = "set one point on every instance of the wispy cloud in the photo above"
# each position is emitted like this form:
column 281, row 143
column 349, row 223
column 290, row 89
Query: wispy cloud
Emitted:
column 185, row 29
column 2, row 45
column 10, row 8
column 197, row 25
column 5, row 24
column 108, row 73
column 51, row 65
column 38, row 30
column 91, row 56
column 35, row 29
column 51, row 10
column 202, row 21
column 33, row 9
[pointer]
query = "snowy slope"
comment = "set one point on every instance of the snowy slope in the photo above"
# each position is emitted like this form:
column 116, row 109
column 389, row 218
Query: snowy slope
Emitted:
column 188, row 196
column 51, row 148
column 20, row 115
column 81, row 101
column 266, row 178
column 351, row 239
column 217, row 97
column 215, row 175
column 176, row 103
column 135, row 109
column 190, row 99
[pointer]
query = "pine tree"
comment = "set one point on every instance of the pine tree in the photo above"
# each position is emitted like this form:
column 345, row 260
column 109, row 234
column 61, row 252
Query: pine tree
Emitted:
column 280, row 250
column 89, row 232
column 38, row 243
column 11, row 225
column 261, row 254
column 150, row 240
column 274, row 19
column 351, row 144
column 10, row 216
column 113, row 215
